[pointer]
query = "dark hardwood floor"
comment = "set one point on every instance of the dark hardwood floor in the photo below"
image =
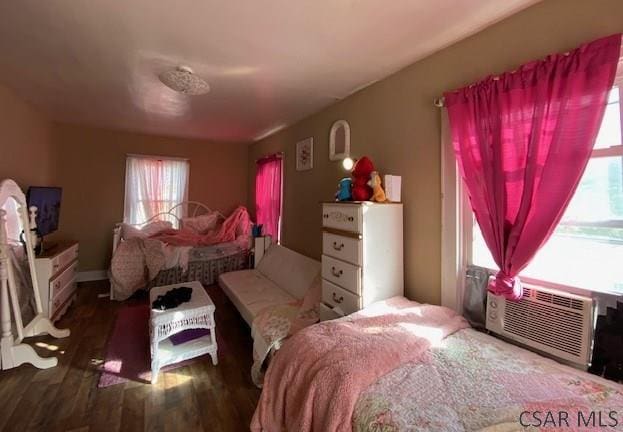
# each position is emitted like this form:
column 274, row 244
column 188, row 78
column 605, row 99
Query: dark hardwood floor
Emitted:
column 196, row 397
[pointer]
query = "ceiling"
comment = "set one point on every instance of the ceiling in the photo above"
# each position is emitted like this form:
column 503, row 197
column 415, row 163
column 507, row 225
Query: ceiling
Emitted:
column 268, row 62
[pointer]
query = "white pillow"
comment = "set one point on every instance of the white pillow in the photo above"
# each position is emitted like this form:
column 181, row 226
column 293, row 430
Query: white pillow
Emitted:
column 201, row 224
column 155, row 227
column 129, row 231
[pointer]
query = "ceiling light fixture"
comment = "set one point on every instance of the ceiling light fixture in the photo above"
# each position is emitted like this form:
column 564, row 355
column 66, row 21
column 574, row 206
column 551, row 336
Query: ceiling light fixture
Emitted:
column 182, row 79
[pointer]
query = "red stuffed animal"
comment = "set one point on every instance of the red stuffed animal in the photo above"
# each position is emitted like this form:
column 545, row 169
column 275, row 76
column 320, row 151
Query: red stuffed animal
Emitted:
column 361, row 175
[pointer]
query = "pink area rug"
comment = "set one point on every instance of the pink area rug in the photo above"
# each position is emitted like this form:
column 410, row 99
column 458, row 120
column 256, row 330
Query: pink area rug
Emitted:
column 127, row 355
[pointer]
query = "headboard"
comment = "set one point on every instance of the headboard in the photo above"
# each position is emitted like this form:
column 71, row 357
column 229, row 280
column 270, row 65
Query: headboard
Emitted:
column 174, row 215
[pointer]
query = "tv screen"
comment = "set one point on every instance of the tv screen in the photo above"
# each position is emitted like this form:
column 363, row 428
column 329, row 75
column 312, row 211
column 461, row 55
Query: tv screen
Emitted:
column 48, row 203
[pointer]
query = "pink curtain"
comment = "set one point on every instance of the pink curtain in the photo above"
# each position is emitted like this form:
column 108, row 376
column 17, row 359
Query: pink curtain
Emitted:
column 268, row 194
column 522, row 141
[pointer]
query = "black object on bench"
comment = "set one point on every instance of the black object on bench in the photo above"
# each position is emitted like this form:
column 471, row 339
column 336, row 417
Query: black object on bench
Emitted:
column 172, row 298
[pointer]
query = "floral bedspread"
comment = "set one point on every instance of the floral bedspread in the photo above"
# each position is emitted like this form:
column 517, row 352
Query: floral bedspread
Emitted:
column 272, row 326
column 474, row 382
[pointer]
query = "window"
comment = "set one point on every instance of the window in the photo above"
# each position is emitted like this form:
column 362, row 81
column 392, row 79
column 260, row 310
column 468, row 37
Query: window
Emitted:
column 152, row 186
column 586, row 249
column 268, row 193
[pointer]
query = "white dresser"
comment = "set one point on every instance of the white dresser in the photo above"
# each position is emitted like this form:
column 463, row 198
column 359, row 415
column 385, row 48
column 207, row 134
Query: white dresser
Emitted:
column 362, row 255
column 56, row 276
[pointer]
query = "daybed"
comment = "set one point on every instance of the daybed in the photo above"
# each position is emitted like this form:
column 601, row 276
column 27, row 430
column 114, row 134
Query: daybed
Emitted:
column 282, row 276
column 169, row 248
column 277, row 299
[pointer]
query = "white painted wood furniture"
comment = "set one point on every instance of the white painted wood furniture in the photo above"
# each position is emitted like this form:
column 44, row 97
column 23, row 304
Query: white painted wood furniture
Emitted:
column 57, row 270
column 362, row 255
column 12, row 351
column 198, row 313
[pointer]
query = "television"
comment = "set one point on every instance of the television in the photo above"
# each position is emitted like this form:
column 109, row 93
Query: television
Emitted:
column 48, row 203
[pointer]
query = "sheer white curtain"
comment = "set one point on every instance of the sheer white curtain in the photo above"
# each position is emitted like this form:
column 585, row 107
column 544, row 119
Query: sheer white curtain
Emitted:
column 153, row 185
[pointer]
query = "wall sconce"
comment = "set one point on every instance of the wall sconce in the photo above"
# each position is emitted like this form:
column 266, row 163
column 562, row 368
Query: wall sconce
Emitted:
column 348, row 163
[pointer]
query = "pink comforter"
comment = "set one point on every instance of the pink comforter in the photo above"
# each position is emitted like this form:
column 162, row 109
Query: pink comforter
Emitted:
column 237, row 225
column 314, row 381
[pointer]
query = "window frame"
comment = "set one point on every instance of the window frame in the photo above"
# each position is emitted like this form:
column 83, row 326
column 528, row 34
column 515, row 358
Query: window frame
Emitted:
column 612, row 151
column 127, row 193
column 458, row 219
column 468, row 215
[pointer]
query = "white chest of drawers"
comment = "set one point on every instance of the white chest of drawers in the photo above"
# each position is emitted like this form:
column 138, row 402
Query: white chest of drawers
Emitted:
column 362, row 255
column 56, row 277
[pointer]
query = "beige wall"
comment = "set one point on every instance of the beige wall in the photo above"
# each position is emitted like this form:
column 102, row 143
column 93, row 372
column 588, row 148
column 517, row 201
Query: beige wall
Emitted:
column 25, row 142
column 395, row 123
column 91, row 170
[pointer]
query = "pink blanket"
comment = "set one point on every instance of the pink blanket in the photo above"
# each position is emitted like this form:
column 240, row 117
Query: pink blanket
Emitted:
column 314, row 381
column 237, row 225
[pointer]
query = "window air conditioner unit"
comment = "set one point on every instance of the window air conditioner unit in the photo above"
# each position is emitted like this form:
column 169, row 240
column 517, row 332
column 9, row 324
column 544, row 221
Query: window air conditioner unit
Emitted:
column 553, row 322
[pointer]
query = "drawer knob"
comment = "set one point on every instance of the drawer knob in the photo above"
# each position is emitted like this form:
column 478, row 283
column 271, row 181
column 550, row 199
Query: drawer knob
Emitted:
column 336, row 273
column 337, row 299
column 326, row 216
column 338, row 247
column 350, row 219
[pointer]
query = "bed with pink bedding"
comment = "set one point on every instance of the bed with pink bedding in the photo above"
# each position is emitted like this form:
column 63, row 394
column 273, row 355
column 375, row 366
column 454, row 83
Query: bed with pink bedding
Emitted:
column 158, row 254
column 449, row 378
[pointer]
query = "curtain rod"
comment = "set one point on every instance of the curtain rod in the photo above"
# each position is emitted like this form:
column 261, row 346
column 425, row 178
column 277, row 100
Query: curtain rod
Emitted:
column 268, row 156
column 441, row 101
column 148, row 156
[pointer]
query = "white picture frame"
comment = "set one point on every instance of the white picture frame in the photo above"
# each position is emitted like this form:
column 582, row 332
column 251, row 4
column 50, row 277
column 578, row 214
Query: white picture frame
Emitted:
column 339, row 141
column 305, row 154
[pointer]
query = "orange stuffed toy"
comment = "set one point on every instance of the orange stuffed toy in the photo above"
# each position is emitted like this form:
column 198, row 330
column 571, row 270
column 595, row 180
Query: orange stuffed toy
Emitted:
column 361, row 175
column 378, row 194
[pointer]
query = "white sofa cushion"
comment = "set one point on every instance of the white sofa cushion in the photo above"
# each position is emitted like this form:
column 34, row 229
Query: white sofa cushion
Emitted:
column 290, row 270
column 250, row 292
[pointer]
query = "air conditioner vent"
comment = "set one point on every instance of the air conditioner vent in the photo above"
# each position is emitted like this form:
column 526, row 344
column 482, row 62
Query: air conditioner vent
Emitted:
column 548, row 320
column 546, row 325
column 549, row 297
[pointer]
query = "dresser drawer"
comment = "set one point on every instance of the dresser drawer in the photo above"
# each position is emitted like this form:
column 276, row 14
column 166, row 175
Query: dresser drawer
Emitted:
column 334, row 296
column 69, row 255
column 341, row 273
column 327, row 313
column 63, row 259
column 64, row 295
column 60, row 282
column 344, row 248
column 345, row 217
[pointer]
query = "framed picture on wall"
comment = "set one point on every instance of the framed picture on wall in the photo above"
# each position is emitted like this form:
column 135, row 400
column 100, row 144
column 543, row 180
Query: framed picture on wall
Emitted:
column 305, row 154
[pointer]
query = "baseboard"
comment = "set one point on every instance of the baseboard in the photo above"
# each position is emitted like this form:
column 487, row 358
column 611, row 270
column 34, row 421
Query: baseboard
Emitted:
column 93, row 275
